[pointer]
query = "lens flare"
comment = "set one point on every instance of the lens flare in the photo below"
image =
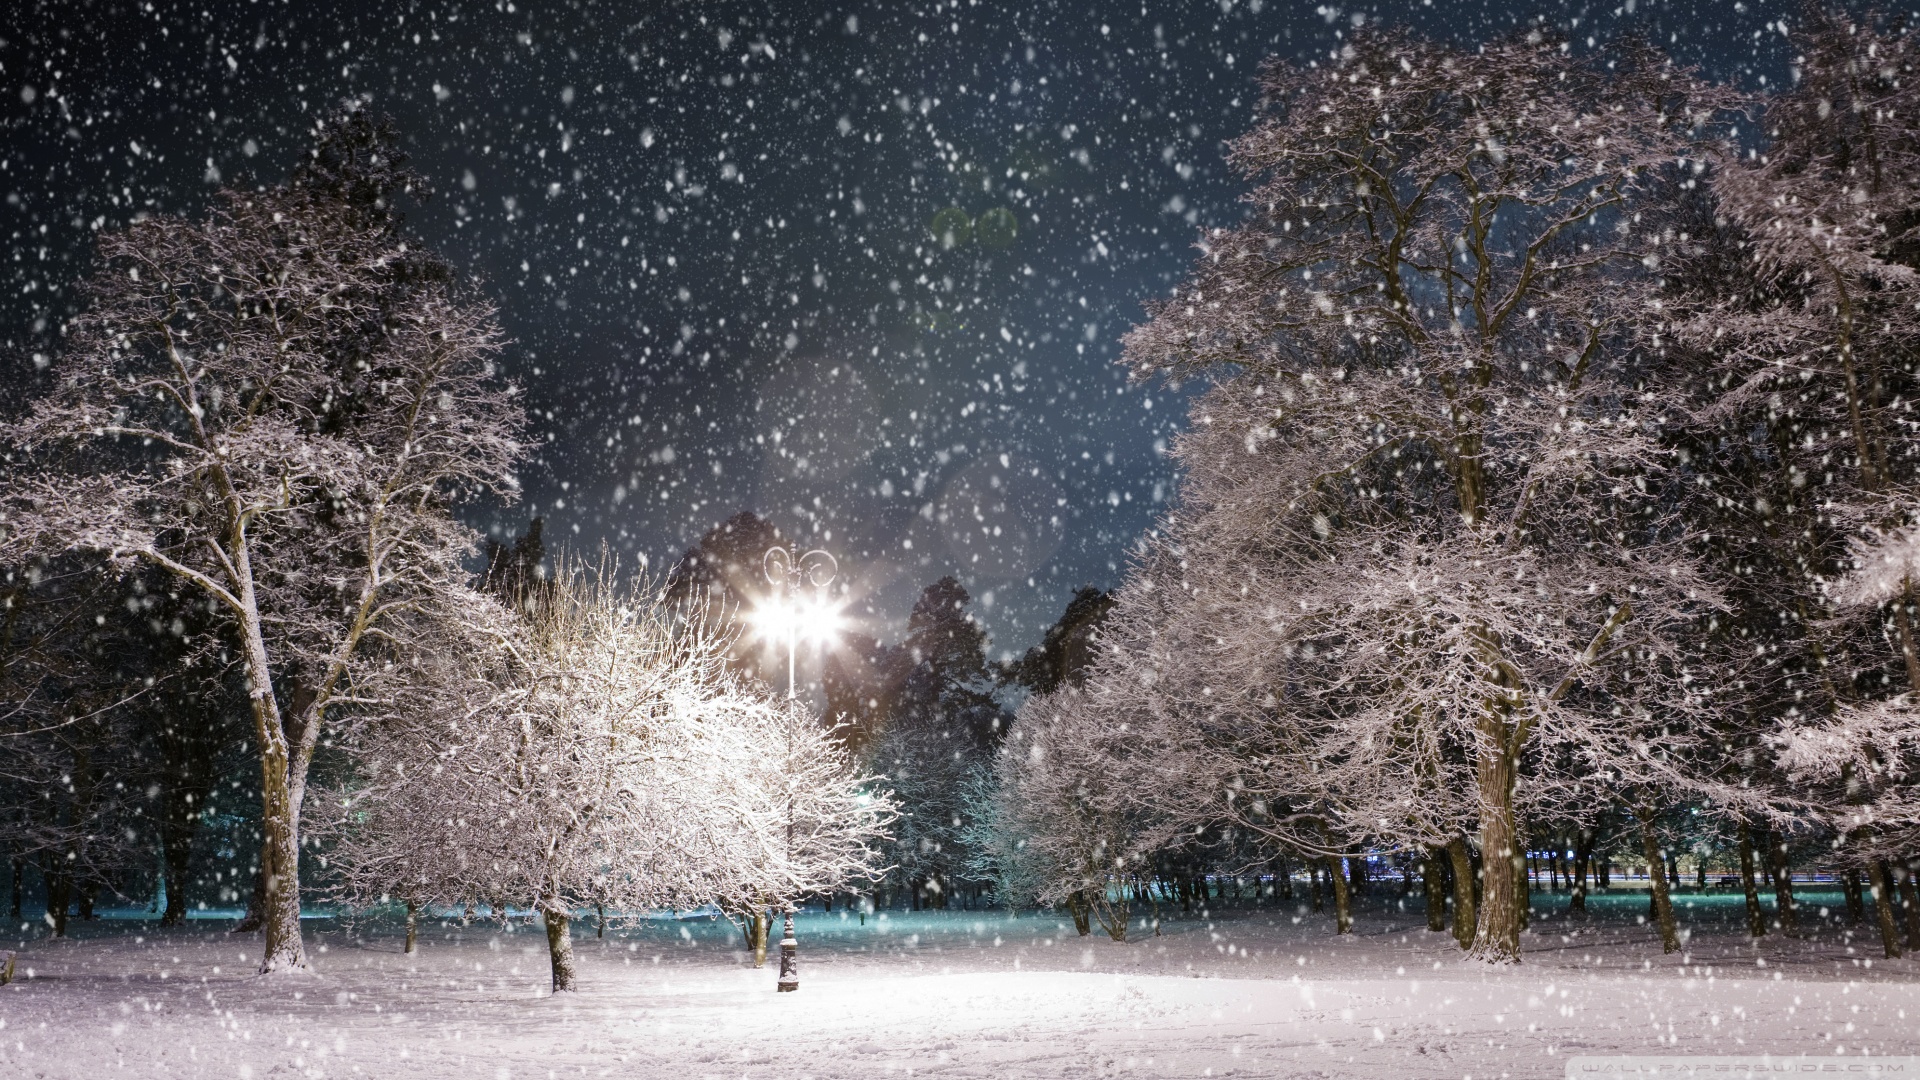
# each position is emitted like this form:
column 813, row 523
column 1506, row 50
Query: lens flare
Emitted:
column 815, row 621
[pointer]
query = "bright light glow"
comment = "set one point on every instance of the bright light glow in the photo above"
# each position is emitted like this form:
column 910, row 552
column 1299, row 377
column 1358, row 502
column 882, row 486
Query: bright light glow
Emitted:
column 815, row 621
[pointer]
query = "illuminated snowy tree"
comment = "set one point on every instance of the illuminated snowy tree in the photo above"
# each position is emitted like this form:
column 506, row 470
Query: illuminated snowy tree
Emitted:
column 595, row 750
column 793, row 818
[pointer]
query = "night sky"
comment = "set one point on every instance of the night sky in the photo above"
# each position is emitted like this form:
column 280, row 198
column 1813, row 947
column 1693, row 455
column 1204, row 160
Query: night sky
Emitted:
column 862, row 269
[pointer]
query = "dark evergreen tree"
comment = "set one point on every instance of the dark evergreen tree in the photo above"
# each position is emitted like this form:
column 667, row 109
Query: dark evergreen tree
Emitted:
column 861, row 684
column 516, row 571
column 1066, row 649
column 940, row 727
column 723, row 578
column 727, row 566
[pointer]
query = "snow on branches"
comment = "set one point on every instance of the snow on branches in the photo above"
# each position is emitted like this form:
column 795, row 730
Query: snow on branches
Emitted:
column 1422, row 509
column 277, row 404
column 598, row 752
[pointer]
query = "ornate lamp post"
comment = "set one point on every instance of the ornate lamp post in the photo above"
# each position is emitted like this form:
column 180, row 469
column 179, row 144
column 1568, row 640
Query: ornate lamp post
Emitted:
column 788, row 570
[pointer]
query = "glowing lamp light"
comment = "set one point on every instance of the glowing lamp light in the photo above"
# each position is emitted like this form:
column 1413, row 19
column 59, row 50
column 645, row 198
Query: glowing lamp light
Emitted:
column 790, row 613
column 815, row 621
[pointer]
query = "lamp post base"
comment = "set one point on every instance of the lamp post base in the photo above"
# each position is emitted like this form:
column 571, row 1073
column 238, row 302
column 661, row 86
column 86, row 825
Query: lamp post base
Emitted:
column 789, row 959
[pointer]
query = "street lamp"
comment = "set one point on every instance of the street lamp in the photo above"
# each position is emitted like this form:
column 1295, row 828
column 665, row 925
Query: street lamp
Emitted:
column 788, row 570
column 785, row 616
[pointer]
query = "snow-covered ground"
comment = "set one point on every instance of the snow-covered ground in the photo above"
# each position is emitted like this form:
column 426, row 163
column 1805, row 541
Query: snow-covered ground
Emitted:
column 1250, row 992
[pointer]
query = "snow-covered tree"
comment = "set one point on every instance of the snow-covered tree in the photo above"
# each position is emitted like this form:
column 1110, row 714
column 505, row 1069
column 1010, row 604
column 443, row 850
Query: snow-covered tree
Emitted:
column 998, row 827
column 1417, row 512
column 1858, row 766
column 409, row 812
column 1804, row 315
column 570, row 777
column 277, row 404
column 795, row 818
column 996, row 840
column 594, row 749
column 1827, row 215
column 1066, row 826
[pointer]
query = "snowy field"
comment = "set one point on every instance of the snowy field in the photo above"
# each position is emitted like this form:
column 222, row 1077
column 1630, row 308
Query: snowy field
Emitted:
column 1249, row 992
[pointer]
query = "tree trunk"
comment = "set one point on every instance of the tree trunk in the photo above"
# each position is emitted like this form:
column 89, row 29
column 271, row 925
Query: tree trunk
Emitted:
column 1357, row 875
column 1582, row 864
column 279, row 809
column 1319, row 901
column 1113, row 915
column 600, row 913
column 280, row 903
column 757, row 927
column 255, row 914
column 1909, row 902
column 413, row 926
column 1464, row 919
column 1756, row 919
column 1523, row 883
column 176, row 843
column 1856, row 903
column 19, row 885
column 1079, row 908
column 559, row 946
column 59, row 895
column 1786, row 910
column 1883, row 908
column 1657, row 882
column 1433, row 879
column 1496, row 937
column 1342, row 898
